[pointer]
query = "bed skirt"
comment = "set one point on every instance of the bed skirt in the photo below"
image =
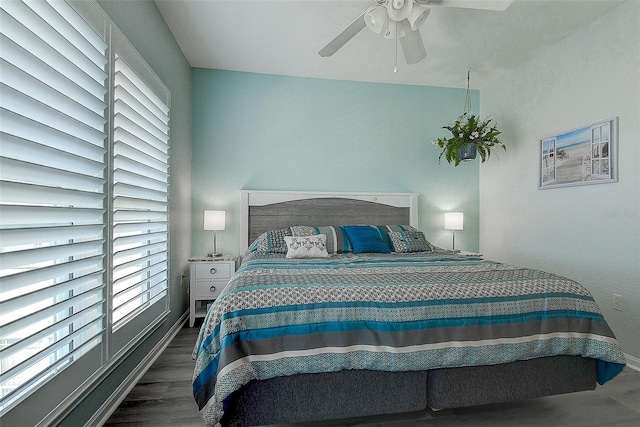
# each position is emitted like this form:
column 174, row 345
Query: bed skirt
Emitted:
column 524, row 379
column 360, row 393
column 324, row 396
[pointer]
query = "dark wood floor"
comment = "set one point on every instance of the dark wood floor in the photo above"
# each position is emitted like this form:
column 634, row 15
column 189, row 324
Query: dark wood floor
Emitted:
column 163, row 397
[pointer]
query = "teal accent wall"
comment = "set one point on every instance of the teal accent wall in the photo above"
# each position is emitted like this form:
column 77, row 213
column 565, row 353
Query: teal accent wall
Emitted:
column 267, row 132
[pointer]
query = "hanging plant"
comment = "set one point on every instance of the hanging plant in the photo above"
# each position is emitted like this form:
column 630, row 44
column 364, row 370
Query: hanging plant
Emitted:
column 469, row 135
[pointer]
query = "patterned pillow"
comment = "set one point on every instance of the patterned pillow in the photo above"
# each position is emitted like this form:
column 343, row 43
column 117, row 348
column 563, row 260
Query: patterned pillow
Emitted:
column 270, row 242
column 386, row 229
column 337, row 241
column 306, row 246
column 303, row 230
column 409, row 241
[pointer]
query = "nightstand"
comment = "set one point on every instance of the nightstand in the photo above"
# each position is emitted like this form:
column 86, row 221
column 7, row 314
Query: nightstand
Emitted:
column 208, row 277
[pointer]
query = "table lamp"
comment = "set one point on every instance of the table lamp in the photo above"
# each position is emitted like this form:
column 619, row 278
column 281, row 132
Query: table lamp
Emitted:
column 453, row 221
column 214, row 220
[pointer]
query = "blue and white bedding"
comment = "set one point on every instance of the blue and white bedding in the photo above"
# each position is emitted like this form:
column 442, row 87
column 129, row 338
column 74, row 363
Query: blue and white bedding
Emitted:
column 390, row 312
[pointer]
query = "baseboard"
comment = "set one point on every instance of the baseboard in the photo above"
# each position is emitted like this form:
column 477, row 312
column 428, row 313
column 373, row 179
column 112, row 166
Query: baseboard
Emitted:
column 632, row 362
column 101, row 416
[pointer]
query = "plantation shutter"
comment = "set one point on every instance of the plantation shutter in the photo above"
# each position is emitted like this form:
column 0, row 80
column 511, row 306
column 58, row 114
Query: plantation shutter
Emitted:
column 140, row 188
column 52, row 199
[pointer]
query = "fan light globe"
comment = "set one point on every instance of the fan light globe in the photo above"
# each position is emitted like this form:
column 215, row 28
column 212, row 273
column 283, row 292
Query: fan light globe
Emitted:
column 375, row 19
column 399, row 29
column 417, row 16
column 399, row 9
column 393, row 29
column 397, row 4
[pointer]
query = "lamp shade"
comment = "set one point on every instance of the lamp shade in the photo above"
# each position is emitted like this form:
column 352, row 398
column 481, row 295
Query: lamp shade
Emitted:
column 214, row 220
column 453, row 220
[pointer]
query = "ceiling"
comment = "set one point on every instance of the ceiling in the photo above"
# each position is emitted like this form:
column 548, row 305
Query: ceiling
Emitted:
column 284, row 36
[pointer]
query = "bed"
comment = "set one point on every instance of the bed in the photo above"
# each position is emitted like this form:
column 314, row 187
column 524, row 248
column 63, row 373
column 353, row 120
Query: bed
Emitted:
column 354, row 330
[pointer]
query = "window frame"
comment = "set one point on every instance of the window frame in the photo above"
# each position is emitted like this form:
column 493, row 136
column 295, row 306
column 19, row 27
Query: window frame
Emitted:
column 548, row 162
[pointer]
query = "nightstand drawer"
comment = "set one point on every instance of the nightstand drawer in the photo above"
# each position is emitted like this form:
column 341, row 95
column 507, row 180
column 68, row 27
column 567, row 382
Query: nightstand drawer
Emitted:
column 208, row 277
column 209, row 290
column 213, row 270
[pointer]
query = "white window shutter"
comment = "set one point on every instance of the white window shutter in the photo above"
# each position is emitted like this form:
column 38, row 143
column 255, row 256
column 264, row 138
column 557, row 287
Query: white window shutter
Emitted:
column 140, row 170
column 53, row 200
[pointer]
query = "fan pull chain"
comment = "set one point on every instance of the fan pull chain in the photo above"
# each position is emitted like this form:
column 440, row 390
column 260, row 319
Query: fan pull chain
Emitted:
column 395, row 69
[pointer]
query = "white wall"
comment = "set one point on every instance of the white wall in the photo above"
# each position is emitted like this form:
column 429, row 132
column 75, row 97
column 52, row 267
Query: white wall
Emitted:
column 590, row 233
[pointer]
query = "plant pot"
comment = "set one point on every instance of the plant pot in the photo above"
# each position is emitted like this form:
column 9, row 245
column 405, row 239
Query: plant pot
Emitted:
column 468, row 152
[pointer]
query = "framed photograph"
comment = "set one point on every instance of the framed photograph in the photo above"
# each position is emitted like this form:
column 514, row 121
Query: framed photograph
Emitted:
column 587, row 155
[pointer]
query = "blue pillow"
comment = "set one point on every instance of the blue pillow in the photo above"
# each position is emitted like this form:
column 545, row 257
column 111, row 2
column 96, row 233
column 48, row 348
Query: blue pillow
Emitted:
column 365, row 239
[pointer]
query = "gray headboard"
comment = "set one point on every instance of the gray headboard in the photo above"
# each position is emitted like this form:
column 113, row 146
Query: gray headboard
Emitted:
column 265, row 210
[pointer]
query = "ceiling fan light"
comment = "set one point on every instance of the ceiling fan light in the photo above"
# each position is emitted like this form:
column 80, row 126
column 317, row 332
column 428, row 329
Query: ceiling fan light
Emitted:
column 399, row 9
column 390, row 29
column 375, row 19
column 417, row 16
column 393, row 29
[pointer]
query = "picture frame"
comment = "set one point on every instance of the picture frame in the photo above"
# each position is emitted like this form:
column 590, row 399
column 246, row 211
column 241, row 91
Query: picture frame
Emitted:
column 581, row 156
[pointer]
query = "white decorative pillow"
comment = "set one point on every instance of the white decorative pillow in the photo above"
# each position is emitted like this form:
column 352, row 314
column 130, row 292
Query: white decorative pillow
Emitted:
column 307, row 246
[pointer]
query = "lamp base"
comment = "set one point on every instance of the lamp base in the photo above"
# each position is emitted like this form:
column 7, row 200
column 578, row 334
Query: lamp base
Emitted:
column 214, row 255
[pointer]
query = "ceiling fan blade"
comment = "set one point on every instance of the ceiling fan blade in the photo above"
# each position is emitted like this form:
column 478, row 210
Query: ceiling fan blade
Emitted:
column 346, row 35
column 497, row 5
column 412, row 45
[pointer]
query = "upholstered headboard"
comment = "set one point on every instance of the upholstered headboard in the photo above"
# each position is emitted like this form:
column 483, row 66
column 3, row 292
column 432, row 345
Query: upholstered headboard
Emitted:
column 265, row 210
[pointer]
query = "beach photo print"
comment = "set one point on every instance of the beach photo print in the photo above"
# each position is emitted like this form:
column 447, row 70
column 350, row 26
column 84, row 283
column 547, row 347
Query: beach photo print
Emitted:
column 586, row 155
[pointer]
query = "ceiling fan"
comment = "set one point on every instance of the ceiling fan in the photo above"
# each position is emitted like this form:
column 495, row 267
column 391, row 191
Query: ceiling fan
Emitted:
column 401, row 20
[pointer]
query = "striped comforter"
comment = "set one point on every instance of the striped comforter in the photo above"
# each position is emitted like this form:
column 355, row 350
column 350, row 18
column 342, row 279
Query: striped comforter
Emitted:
column 390, row 312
